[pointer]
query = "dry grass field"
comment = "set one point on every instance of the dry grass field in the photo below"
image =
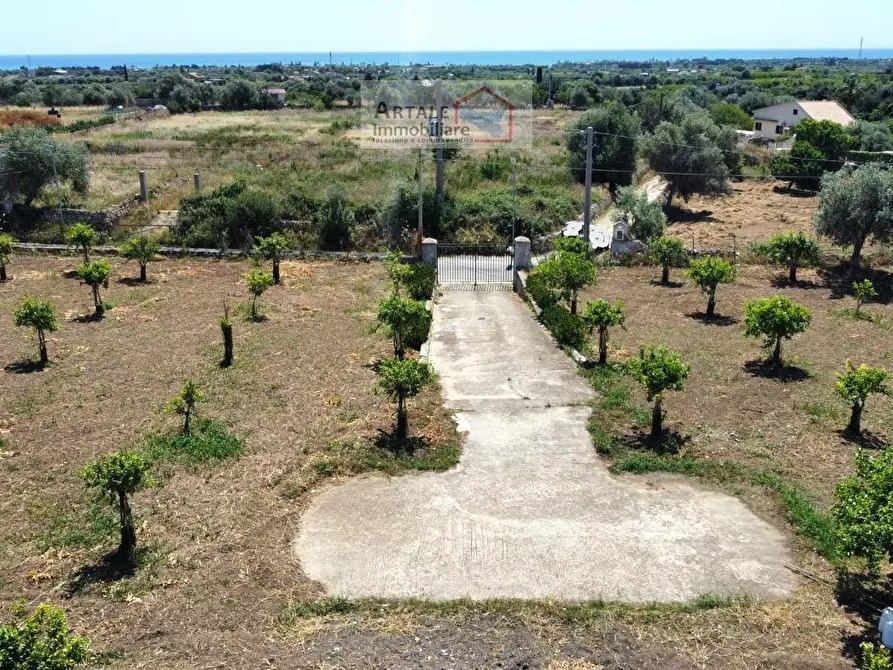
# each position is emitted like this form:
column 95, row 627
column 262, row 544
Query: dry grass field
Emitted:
column 218, row 585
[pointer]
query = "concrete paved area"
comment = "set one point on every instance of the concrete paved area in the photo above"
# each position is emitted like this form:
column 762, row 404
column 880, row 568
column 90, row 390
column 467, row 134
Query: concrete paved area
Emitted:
column 531, row 511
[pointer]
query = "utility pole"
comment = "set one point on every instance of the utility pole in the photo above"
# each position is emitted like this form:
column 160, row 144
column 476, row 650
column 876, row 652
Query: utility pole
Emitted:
column 587, row 201
column 514, row 203
column 861, row 41
column 58, row 199
column 439, row 145
column 421, row 201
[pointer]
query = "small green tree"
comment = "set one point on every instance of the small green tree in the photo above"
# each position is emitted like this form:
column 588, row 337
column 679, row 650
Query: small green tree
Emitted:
column 96, row 274
column 271, row 249
column 855, row 385
column 115, row 477
column 407, row 320
column 707, row 274
column 659, row 370
column 5, row 253
column 402, row 379
column 226, row 328
column 793, row 250
column 863, row 511
column 776, row 319
column 864, row 292
column 668, row 252
column 257, row 282
column 81, row 236
column 398, row 272
column 39, row 315
column 40, row 641
column 603, row 315
column 184, row 403
column 568, row 271
column 141, row 249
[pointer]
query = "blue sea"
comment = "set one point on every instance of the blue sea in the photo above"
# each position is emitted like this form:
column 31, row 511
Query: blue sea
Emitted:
column 105, row 61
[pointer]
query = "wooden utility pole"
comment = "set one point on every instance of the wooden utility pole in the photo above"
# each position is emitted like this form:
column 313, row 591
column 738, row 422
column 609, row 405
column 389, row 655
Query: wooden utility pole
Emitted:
column 439, row 144
column 587, row 201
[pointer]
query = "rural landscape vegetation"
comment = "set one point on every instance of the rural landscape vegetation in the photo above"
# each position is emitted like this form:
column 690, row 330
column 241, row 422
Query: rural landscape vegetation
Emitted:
column 183, row 373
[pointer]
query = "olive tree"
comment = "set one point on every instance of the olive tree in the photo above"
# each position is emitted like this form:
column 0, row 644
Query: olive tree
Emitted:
column 707, row 274
column 855, row 385
column 81, row 236
column 864, row 292
column 402, row 379
column 407, row 320
column 659, row 370
column 257, row 282
column 141, row 249
column 668, row 252
column 96, row 274
column 33, row 159
column 602, row 315
column 271, row 249
column 40, row 316
column 776, row 319
column 5, row 253
column 855, row 205
column 615, row 146
column 863, row 511
column 184, row 403
column 793, row 250
column 115, row 477
column 647, row 219
column 40, row 641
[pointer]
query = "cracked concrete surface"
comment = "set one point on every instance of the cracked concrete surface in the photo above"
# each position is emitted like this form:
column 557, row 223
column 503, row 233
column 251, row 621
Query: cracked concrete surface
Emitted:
column 531, row 511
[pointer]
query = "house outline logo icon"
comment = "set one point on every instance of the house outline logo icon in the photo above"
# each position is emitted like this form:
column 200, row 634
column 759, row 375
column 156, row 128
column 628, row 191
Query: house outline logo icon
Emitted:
column 499, row 99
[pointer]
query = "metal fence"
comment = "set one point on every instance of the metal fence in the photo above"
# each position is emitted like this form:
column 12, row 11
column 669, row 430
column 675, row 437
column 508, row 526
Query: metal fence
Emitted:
column 474, row 264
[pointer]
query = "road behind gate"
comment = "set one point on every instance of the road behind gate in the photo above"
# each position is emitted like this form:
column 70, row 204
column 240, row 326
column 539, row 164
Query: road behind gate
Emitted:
column 531, row 511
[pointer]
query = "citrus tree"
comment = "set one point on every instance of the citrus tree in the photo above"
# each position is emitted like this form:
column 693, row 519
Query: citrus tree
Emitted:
column 257, row 282
column 271, row 249
column 40, row 640
column 184, row 403
column 407, row 320
column 5, row 253
column 864, row 292
column 776, row 319
column 659, row 370
column 141, row 249
column 39, row 316
column 793, row 250
column 855, row 385
column 226, row 329
column 81, row 236
column 707, row 274
column 96, row 275
column 567, row 272
column 402, row 379
column 602, row 315
column 863, row 511
column 668, row 252
column 116, row 477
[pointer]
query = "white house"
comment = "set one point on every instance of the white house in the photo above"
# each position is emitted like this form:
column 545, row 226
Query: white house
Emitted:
column 771, row 122
column 277, row 94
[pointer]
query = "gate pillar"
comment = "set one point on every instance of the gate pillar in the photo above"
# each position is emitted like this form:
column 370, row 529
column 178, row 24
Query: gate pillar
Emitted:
column 522, row 253
column 429, row 251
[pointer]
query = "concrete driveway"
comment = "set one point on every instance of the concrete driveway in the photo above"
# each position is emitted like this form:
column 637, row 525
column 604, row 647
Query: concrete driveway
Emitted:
column 531, row 511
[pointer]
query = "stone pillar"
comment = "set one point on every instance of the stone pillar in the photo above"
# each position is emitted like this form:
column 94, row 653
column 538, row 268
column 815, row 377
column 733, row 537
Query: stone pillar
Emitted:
column 429, row 251
column 197, row 182
column 144, row 187
column 522, row 253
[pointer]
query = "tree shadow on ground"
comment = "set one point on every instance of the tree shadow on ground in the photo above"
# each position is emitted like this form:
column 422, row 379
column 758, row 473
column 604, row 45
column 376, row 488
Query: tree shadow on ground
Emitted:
column 793, row 192
column 670, row 284
column 388, row 441
column 671, row 441
column 108, row 569
column 837, row 280
column 683, row 215
column 25, row 367
column 92, row 317
column 715, row 320
column 866, row 439
column 70, row 274
column 864, row 597
column 133, row 281
column 782, row 373
column 782, row 281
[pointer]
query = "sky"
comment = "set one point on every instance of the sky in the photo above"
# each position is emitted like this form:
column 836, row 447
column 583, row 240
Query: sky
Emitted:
column 202, row 26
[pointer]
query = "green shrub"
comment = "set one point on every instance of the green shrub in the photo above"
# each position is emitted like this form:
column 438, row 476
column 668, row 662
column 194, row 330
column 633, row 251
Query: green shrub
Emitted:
column 40, row 641
column 569, row 329
column 40, row 316
column 875, row 659
column 5, row 253
column 421, row 280
column 402, row 379
column 407, row 321
column 210, row 441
